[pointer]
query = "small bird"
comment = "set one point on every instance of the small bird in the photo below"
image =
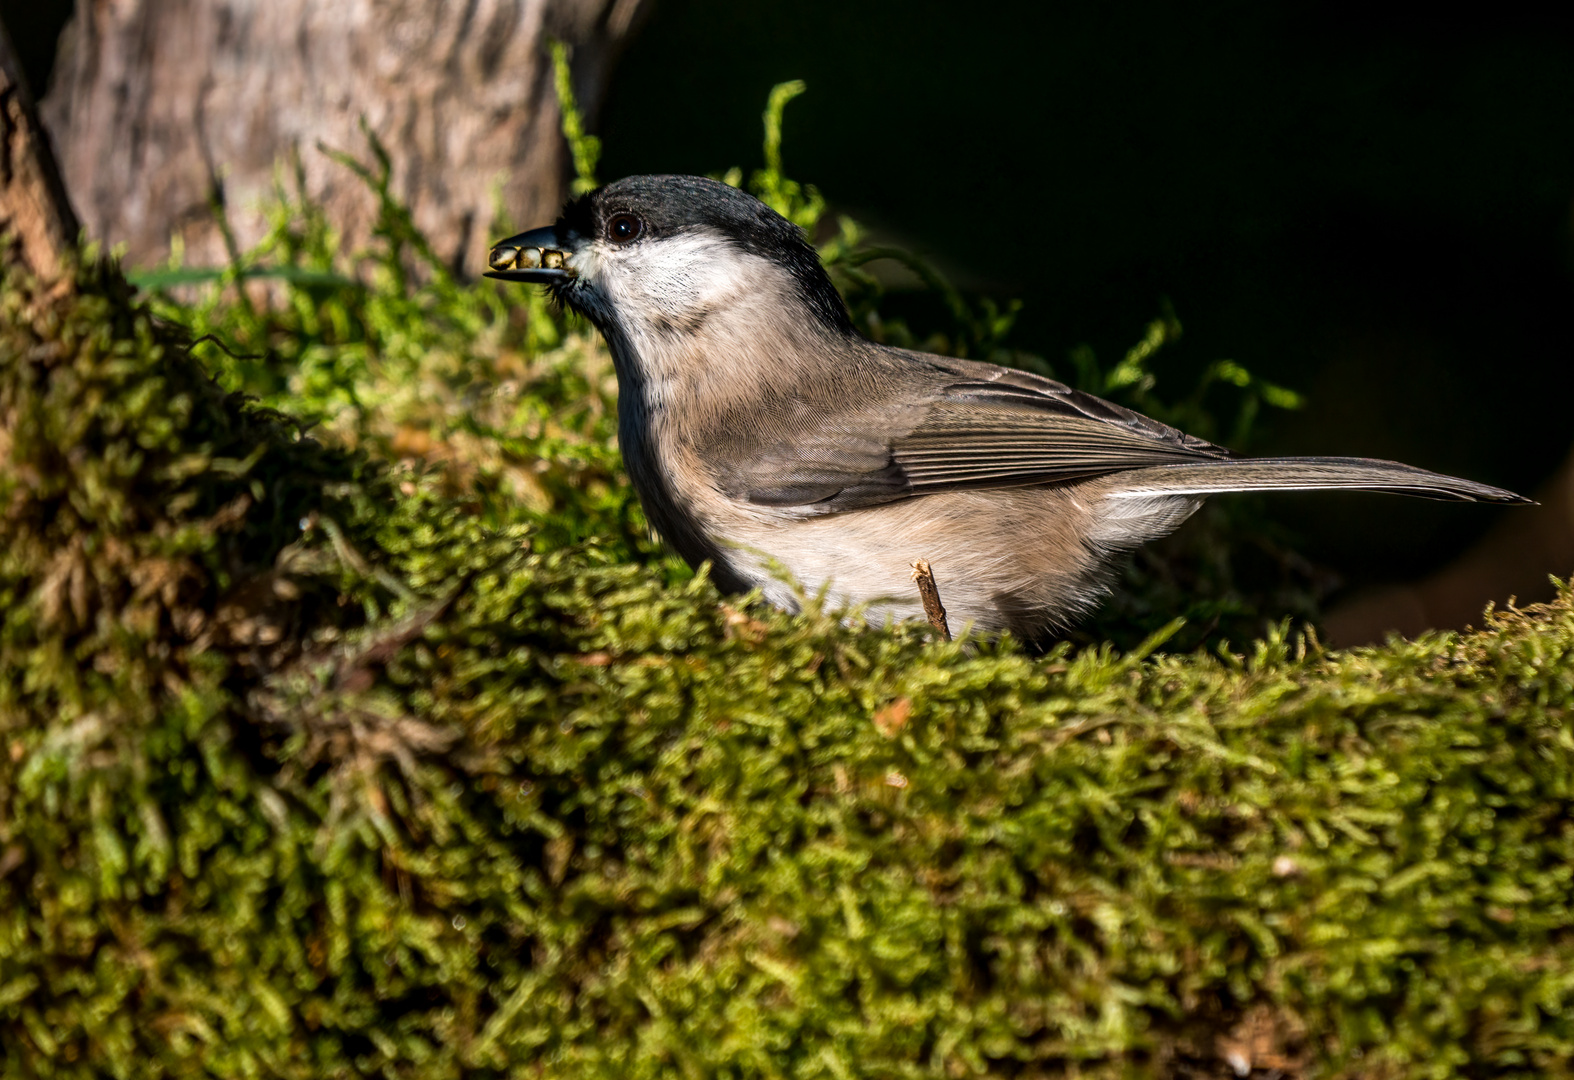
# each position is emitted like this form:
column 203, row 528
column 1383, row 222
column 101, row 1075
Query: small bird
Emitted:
column 766, row 435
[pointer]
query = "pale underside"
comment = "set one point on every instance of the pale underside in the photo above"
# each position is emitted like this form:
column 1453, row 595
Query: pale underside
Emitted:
column 1026, row 560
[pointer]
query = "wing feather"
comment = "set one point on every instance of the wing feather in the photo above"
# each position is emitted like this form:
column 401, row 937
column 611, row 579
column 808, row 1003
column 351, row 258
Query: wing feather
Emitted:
column 941, row 425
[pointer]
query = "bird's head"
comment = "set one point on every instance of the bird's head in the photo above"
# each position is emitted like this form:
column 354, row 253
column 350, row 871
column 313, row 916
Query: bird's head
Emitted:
column 653, row 256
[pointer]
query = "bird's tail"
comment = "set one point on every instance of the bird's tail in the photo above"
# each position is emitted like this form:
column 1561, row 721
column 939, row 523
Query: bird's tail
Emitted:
column 1300, row 474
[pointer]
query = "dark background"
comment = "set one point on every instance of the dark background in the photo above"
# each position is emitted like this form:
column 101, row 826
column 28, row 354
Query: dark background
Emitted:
column 1372, row 210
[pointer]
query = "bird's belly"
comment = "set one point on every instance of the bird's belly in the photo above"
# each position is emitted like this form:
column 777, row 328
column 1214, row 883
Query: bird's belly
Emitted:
column 1003, row 560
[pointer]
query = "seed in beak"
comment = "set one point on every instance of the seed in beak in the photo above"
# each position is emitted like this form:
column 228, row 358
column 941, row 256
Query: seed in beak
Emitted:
column 552, row 260
column 501, row 258
column 528, row 258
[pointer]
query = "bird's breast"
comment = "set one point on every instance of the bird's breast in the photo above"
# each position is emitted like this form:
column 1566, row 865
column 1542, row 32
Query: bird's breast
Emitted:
column 676, row 490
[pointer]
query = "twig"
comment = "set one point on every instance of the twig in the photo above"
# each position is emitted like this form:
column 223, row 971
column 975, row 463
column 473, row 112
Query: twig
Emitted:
column 233, row 355
column 931, row 596
column 354, row 672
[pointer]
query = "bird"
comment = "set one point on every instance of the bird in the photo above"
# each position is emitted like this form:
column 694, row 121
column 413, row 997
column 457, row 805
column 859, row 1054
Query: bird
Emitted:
column 766, row 436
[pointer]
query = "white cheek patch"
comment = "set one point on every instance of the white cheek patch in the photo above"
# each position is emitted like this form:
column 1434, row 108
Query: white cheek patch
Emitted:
column 697, row 314
column 676, row 282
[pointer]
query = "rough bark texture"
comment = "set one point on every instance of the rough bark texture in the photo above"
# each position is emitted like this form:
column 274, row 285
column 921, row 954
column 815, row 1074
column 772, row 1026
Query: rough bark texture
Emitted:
column 158, row 105
column 34, row 209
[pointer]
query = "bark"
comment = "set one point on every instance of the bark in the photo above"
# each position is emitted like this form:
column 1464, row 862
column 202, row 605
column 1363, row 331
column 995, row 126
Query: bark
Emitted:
column 34, row 210
column 160, row 107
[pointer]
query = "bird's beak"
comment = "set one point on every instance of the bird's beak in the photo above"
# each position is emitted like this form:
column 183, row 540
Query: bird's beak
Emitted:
column 536, row 255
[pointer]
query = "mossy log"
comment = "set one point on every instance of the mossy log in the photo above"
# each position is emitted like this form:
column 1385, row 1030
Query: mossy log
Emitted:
column 309, row 768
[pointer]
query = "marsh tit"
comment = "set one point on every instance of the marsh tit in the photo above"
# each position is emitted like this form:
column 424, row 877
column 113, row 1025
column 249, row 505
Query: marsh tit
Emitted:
column 764, row 434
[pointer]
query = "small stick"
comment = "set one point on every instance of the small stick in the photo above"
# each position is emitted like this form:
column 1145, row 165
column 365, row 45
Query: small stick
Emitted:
column 931, row 596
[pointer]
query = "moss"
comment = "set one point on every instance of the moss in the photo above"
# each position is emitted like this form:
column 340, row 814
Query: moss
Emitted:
column 341, row 755
column 409, row 791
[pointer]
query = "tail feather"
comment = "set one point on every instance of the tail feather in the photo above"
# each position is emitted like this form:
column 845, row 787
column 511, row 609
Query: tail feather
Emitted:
column 1301, row 474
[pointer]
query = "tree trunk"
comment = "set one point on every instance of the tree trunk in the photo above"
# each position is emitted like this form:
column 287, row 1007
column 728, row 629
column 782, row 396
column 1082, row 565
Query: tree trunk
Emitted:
column 162, row 106
column 34, row 210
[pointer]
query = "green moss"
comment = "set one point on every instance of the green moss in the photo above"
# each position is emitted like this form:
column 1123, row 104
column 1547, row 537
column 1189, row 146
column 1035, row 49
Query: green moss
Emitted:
column 403, row 750
column 412, row 792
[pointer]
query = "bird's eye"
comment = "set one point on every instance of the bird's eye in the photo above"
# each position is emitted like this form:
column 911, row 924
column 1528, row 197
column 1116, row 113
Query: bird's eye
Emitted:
column 622, row 228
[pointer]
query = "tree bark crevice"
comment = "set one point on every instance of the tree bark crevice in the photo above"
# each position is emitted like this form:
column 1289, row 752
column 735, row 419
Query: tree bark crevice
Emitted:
column 35, row 212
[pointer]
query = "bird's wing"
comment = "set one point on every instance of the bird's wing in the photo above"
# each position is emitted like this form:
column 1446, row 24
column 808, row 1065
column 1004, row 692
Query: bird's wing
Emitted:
column 949, row 425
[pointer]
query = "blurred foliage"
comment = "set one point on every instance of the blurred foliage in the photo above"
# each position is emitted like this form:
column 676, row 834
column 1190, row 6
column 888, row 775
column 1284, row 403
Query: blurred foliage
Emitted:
column 361, row 729
column 583, row 147
column 514, row 404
